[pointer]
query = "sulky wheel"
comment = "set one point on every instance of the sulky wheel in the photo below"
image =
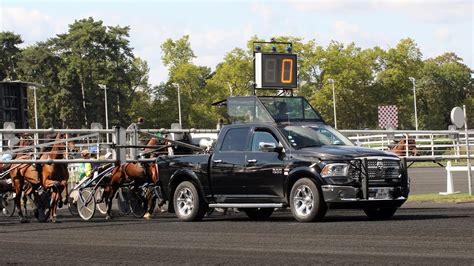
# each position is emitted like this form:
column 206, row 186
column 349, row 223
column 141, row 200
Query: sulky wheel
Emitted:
column 123, row 201
column 86, row 204
column 101, row 204
column 137, row 204
column 306, row 202
column 8, row 203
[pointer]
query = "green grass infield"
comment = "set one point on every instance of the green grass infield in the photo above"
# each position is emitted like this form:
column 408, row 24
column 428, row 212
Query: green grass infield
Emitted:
column 437, row 198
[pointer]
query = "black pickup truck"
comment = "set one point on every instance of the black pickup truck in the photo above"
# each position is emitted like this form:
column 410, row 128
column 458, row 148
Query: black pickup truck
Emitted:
column 265, row 160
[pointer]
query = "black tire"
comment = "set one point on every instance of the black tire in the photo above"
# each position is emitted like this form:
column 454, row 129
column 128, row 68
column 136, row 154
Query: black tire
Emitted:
column 380, row 213
column 188, row 204
column 123, row 201
column 137, row 204
column 86, row 204
column 306, row 201
column 8, row 202
column 259, row 214
column 72, row 202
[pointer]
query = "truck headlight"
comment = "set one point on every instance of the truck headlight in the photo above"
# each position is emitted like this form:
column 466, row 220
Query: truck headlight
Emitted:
column 335, row 169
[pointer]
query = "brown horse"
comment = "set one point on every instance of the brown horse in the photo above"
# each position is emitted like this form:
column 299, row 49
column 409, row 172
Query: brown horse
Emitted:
column 24, row 177
column 20, row 175
column 26, row 140
column 139, row 174
column 400, row 148
column 51, row 176
column 55, row 175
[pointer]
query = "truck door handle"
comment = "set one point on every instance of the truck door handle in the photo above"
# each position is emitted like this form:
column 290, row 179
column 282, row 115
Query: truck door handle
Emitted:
column 252, row 161
column 217, row 161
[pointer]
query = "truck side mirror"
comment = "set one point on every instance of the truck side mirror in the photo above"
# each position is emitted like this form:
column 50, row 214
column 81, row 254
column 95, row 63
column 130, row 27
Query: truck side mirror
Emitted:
column 270, row 147
column 267, row 146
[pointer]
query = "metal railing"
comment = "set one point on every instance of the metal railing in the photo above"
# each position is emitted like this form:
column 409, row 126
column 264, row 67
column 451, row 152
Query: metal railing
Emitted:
column 447, row 144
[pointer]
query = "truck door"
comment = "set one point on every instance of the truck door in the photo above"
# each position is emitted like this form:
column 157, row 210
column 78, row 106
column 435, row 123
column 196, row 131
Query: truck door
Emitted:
column 265, row 169
column 228, row 166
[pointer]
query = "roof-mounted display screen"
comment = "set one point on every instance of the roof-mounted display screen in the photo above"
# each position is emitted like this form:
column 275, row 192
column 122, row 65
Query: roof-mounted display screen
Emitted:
column 275, row 71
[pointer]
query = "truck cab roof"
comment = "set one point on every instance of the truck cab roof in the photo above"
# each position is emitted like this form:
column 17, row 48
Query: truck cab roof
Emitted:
column 270, row 109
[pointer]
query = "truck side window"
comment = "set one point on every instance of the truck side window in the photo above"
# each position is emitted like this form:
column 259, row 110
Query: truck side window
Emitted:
column 235, row 140
column 262, row 136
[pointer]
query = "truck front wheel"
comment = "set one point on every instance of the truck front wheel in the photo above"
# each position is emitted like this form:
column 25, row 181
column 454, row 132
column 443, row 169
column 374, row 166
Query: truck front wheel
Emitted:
column 306, row 202
column 188, row 204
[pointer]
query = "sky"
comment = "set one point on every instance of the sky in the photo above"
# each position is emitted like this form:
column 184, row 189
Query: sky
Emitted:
column 217, row 27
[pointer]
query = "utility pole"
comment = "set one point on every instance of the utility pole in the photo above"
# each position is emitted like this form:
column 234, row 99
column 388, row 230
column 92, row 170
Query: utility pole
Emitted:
column 412, row 79
column 104, row 87
column 333, row 101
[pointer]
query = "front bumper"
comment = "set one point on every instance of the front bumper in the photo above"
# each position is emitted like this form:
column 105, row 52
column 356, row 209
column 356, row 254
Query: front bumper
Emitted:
column 351, row 197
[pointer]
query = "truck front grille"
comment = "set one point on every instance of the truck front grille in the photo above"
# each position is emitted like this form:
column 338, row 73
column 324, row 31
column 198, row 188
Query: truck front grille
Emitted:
column 382, row 169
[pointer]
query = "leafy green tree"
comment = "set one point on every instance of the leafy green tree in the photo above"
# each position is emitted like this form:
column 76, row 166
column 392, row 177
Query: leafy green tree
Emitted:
column 72, row 65
column 9, row 54
column 233, row 76
column 39, row 64
column 76, row 63
column 352, row 71
column 191, row 80
column 177, row 52
column 397, row 65
column 311, row 73
column 445, row 83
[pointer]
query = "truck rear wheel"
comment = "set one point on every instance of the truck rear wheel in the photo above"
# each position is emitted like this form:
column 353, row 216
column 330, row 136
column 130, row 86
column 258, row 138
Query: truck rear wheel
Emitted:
column 306, row 201
column 259, row 213
column 380, row 213
column 188, row 204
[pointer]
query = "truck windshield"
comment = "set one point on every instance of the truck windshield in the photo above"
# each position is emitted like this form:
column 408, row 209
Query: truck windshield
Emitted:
column 314, row 136
column 284, row 109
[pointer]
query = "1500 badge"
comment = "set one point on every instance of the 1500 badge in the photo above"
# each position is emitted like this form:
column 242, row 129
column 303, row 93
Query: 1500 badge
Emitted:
column 277, row 171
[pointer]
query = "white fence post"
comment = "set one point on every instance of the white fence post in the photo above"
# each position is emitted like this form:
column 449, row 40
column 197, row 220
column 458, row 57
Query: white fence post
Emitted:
column 449, row 181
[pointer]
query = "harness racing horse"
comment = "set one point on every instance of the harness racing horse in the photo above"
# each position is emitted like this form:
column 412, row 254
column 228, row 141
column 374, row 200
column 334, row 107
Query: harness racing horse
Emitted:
column 26, row 140
column 139, row 174
column 17, row 183
column 55, row 175
column 22, row 175
column 400, row 148
column 25, row 178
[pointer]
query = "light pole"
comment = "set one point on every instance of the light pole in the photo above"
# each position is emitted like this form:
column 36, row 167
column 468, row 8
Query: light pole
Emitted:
column 333, row 101
column 412, row 79
column 35, row 86
column 36, row 108
column 230, row 89
column 104, row 87
column 179, row 106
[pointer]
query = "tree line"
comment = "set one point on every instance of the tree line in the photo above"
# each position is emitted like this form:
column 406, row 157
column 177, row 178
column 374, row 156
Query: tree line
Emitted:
column 75, row 66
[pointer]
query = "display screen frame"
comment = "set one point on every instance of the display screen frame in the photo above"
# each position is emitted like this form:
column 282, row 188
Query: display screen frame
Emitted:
column 275, row 71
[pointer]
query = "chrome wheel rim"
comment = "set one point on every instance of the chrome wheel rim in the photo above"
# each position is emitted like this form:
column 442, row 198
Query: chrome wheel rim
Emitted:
column 303, row 200
column 185, row 201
